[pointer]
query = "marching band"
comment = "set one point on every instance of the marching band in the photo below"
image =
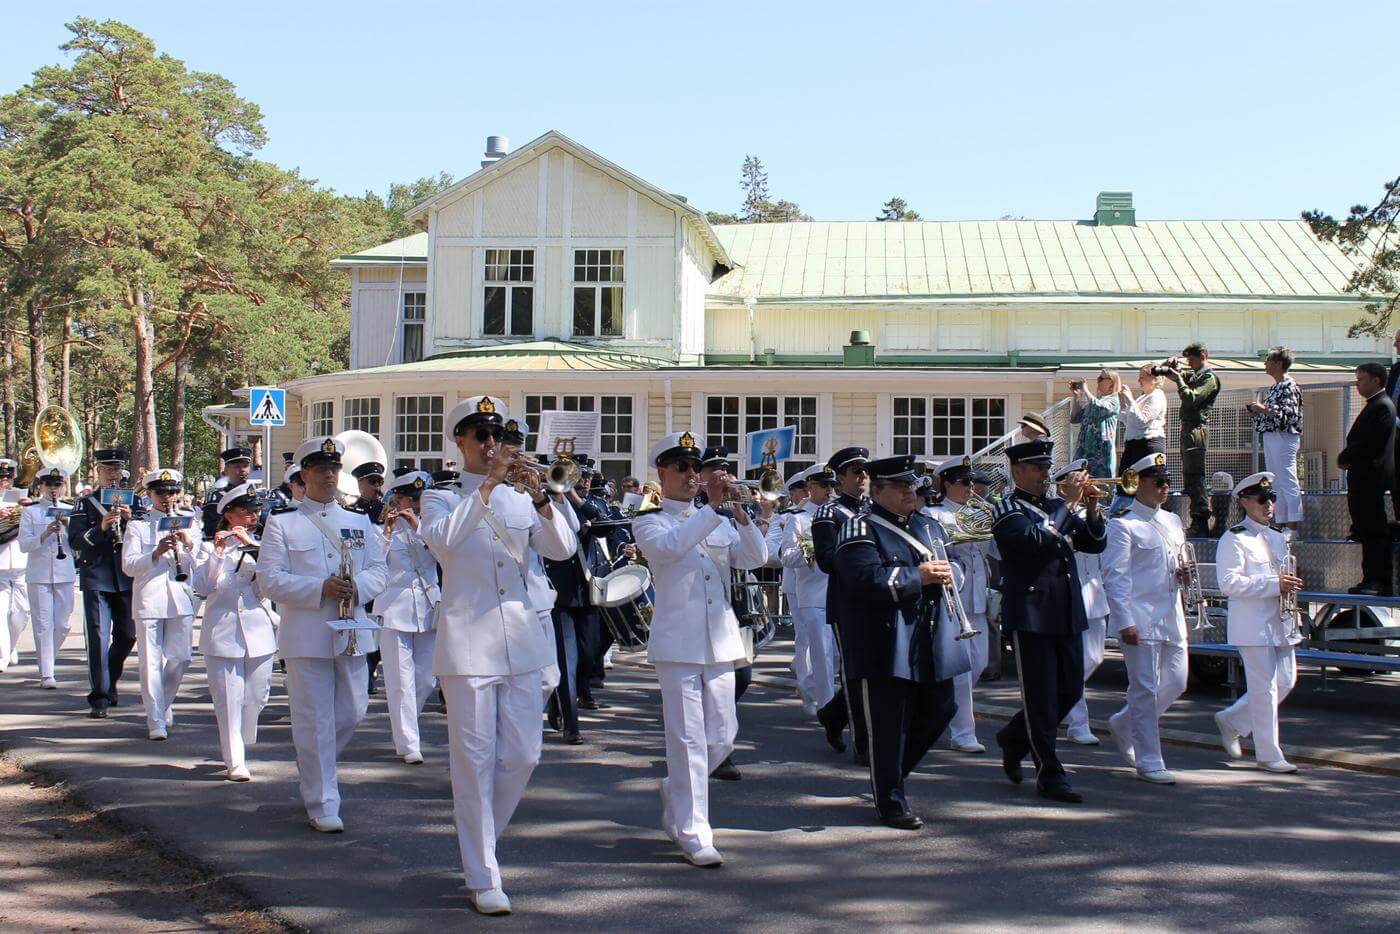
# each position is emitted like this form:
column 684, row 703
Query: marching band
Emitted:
column 495, row 581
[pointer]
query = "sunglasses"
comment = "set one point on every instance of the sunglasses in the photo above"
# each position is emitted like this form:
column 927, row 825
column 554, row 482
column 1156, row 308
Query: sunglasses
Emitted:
column 487, row 434
column 1161, row 481
column 686, row 466
column 1265, row 497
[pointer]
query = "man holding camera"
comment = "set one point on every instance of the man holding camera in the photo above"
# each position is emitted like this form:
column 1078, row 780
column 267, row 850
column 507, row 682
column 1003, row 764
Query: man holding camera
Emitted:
column 1198, row 390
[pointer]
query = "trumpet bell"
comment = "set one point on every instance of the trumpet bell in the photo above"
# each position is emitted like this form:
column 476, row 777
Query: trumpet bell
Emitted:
column 1129, row 482
column 58, row 439
column 770, row 485
column 561, row 476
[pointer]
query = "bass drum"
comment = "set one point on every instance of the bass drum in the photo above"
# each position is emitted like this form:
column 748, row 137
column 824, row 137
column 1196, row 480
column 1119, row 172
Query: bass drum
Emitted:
column 624, row 603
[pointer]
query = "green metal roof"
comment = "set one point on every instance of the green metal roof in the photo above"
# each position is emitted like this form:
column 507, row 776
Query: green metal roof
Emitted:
column 902, row 260
column 528, row 356
column 410, row 249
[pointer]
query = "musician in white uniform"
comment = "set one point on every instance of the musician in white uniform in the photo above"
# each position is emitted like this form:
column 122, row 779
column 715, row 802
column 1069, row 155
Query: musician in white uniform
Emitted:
column 238, row 637
column 956, row 475
column 14, row 595
column 1069, row 482
column 695, row 642
column 49, row 574
column 1247, row 566
column 814, row 645
column 491, row 648
column 1142, row 570
column 160, row 564
column 299, row 569
column 408, row 612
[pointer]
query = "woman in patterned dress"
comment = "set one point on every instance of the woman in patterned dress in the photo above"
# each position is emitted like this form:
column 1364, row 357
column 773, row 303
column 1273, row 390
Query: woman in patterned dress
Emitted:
column 1096, row 414
column 1278, row 418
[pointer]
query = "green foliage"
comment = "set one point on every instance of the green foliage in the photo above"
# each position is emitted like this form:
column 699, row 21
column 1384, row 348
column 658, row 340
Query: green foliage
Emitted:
column 897, row 209
column 758, row 206
column 1369, row 236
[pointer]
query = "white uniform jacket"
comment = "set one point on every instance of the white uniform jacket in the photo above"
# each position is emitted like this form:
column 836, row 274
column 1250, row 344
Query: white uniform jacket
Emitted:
column 691, row 552
column 1247, row 571
column 13, row 559
column 155, row 593
column 411, row 595
column 237, row 623
column 809, row 579
column 773, row 541
column 970, row 559
column 488, row 622
column 1139, row 574
column 1091, row 582
column 43, row 567
column 294, row 561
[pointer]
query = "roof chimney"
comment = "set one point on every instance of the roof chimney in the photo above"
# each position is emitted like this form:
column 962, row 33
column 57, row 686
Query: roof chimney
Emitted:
column 496, row 147
column 1114, row 208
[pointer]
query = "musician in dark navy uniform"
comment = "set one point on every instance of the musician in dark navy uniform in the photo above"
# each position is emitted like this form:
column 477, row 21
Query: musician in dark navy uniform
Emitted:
column 238, row 462
column 1043, row 610
column 890, row 588
column 844, row 709
column 95, row 538
column 370, row 478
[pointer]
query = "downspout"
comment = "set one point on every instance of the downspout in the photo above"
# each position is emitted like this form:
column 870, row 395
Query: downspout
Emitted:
column 666, row 388
column 749, row 303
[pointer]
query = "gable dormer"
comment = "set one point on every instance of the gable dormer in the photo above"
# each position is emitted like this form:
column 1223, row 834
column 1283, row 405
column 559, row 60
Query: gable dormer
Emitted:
column 554, row 242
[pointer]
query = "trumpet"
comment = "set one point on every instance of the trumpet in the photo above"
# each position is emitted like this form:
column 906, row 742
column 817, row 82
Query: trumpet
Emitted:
column 1288, row 603
column 1193, row 596
column 1128, row 481
column 346, row 606
column 769, row 485
column 953, row 600
column 559, row 477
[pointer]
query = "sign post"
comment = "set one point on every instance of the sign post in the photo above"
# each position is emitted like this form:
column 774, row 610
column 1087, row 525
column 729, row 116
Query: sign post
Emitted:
column 267, row 407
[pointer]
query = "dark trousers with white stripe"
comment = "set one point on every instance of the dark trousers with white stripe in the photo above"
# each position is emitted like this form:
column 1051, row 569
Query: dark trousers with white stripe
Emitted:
column 904, row 719
column 847, row 706
column 1051, row 669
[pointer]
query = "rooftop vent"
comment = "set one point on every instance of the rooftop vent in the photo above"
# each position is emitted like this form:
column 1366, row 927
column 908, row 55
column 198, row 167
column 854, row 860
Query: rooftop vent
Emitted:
column 1114, row 208
column 859, row 352
column 496, row 148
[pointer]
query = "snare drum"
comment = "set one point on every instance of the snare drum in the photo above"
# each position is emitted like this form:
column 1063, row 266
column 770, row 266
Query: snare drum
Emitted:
column 624, row 603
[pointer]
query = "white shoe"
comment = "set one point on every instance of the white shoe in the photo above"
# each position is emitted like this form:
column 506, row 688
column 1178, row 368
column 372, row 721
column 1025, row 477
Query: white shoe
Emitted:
column 705, row 856
column 972, row 748
column 49, row 684
column 668, row 817
column 809, row 709
column 169, row 716
column 607, row 660
column 413, row 758
column 491, row 902
column 158, row 733
column 1158, row 777
column 331, row 824
column 1122, row 740
column 239, row 774
column 1082, row 738
column 1228, row 737
column 1282, row 767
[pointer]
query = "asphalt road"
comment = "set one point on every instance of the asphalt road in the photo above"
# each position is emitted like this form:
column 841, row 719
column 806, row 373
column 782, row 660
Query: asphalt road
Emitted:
column 1228, row 848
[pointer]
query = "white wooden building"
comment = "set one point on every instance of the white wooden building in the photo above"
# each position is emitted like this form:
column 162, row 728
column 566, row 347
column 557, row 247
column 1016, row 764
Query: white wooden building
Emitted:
column 557, row 279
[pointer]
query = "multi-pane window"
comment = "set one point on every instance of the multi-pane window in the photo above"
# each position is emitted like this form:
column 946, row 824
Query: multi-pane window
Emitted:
column 729, row 418
column 598, row 293
column 321, row 420
column 509, row 298
column 415, row 315
column 615, row 426
column 418, row 435
column 944, row 426
column 362, row 414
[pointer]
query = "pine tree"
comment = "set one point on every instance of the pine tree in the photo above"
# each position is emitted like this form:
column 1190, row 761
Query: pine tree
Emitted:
column 1371, row 236
column 897, row 209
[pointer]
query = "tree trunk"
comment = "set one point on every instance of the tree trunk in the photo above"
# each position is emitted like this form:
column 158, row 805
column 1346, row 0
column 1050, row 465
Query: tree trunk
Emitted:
column 65, row 397
column 177, row 415
column 10, row 406
column 38, row 375
column 146, row 452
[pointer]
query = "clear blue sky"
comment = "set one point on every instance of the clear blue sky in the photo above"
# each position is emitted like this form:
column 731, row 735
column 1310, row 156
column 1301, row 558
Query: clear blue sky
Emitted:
column 967, row 110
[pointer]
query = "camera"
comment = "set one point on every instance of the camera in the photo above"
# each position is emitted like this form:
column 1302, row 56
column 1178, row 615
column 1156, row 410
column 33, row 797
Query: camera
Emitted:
column 1076, row 384
column 1167, row 367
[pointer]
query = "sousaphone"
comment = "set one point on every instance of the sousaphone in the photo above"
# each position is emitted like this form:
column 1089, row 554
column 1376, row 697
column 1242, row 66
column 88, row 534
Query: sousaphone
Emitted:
column 361, row 447
column 58, row 439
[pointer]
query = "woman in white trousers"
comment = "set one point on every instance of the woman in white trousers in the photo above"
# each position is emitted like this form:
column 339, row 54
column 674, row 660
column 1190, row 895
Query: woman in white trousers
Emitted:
column 1278, row 418
column 238, row 638
column 408, row 613
column 49, row 574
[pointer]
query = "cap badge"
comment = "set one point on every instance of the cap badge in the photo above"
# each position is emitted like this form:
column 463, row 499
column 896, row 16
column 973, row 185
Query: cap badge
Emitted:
column 512, row 425
column 486, row 405
column 165, row 476
column 967, row 461
column 1264, row 482
column 687, row 440
column 328, row 446
column 1160, row 460
column 418, row 483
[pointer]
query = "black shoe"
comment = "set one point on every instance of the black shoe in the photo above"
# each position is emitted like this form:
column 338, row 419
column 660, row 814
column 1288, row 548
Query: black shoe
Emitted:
column 1061, row 792
column 1011, row 765
column 112, row 698
column 595, row 682
column 726, row 771
column 833, row 731
column 902, row 820
column 588, row 703
column 98, row 713
column 862, row 758
column 573, row 739
column 372, row 689
column 1368, row 589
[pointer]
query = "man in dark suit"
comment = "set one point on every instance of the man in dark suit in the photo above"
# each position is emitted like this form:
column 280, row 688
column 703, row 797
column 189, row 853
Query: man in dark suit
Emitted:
column 1369, row 460
column 1392, row 389
column 891, row 583
column 95, row 537
column 1043, row 609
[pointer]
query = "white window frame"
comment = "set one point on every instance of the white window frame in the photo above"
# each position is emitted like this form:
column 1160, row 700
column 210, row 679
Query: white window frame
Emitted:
column 426, row 453
column 320, row 419
column 615, row 270
column 938, row 444
column 414, row 302
column 537, row 402
column 371, row 420
column 747, row 420
column 526, row 260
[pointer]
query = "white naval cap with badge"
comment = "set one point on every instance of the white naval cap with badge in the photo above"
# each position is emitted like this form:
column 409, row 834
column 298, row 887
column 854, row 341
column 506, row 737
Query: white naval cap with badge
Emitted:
column 678, row 445
column 321, row 450
column 479, row 411
column 1153, row 465
column 412, row 483
column 245, row 494
column 1074, row 466
column 162, row 480
column 1256, row 484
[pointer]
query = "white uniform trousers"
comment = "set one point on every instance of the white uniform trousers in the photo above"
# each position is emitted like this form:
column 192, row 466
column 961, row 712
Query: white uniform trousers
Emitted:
column 963, row 729
column 1078, row 720
column 14, row 613
column 494, row 735
column 1156, row 678
column 239, row 688
column 328, row 697
column 1269, row 675
column 408, row 683
column 549, row 674
column 697, row 710
column 50, row 607
column 1281, row 459
column 813, row 655
column 165, row 647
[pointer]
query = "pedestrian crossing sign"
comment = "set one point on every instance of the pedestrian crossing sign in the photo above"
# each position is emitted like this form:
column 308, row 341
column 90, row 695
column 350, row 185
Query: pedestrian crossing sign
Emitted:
column 267, row 406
